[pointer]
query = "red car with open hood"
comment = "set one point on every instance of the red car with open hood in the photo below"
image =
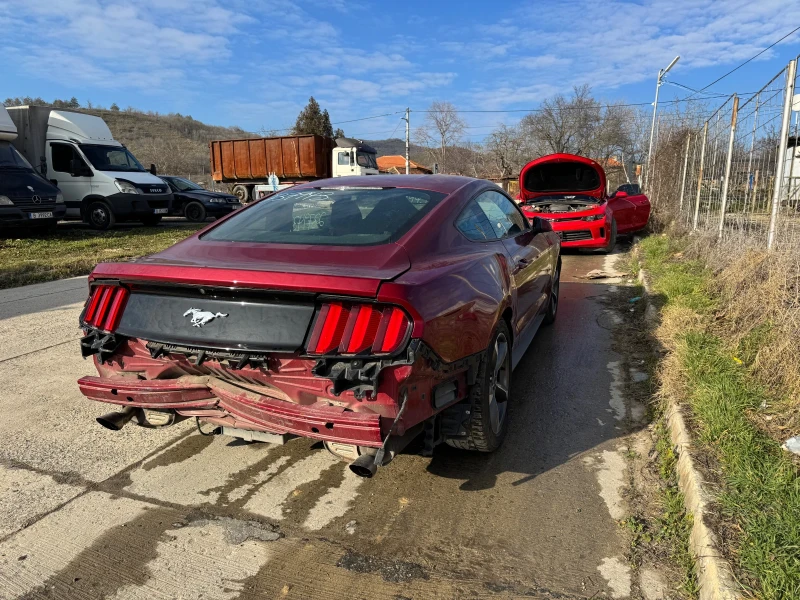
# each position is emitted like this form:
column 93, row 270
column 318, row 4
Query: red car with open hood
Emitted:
column 360, row 311
column 569, row 191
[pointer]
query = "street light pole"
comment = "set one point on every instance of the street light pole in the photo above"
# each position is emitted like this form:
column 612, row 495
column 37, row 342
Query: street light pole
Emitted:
column 659, row 81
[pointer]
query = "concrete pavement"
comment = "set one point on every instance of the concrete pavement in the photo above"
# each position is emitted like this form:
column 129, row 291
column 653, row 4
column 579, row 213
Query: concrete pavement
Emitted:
column 168, row 513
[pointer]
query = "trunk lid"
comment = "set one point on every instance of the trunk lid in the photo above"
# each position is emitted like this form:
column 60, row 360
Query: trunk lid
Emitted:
column 560, row 174
column 240, row 296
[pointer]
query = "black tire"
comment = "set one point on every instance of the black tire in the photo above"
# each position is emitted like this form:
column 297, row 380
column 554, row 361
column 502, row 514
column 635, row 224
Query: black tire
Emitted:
column 612, row 239
column 487, row 429
column 151, row 220
column 100, row 216
column 195, row 212
column 552, row 306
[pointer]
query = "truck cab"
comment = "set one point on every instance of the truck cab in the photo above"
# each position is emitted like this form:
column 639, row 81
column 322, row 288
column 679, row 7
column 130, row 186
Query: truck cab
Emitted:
column 26, row 199
column 351, row 157
column 101, row 180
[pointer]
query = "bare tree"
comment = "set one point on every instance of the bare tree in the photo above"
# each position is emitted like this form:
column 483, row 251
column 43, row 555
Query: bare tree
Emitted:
column 442, row 128
column 507, row 150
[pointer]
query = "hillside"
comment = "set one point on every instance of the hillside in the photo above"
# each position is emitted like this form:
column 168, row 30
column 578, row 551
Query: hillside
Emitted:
column 178, row 144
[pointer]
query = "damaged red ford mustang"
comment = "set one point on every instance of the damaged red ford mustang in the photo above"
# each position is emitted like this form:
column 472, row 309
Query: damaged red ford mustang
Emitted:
column 361, row 315
column 570, row 192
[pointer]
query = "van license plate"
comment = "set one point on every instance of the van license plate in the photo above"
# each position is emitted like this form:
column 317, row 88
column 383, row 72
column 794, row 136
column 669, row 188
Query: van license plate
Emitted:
column 160, row 211
column 41, row 215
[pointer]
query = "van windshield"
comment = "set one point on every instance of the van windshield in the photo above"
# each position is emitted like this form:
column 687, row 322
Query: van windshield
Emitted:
column 11, row 159
column 346, row 216
column 111, row 158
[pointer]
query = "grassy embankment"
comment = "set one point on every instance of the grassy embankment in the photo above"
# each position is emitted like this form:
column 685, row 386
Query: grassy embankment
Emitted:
column 716, row 367
column 74, row 251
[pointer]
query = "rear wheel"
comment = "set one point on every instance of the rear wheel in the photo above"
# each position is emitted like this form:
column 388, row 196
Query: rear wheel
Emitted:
column 242, row 193
column 195, row 212
column 612, row 238
column 151, row 220
column 99, row 215
column 489, row 397
column 552, row 307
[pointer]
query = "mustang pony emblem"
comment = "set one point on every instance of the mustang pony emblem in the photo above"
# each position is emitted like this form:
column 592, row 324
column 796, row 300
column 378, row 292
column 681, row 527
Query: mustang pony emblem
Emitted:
column 201, row 317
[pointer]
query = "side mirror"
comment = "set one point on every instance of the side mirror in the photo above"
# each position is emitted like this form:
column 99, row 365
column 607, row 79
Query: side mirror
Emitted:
column 79, row 169
column 620, row 194
column 152, row 169
column 538, row 225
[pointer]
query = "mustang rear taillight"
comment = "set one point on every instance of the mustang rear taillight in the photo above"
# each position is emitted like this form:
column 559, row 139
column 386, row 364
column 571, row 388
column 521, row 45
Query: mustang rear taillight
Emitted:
column 105, row 306
column 343, row 328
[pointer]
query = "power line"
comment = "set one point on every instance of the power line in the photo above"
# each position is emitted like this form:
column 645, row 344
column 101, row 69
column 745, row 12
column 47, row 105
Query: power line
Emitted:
column 745, row 62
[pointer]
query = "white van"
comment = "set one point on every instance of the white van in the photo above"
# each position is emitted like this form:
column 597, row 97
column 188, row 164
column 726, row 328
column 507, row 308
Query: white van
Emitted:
column 102, row 182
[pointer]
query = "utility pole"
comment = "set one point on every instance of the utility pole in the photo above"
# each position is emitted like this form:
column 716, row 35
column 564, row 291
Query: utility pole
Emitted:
column 406, row 119
column 659, row 81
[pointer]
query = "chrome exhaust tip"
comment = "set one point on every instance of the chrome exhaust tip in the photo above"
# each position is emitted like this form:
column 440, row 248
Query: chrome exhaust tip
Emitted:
column 364, row 466
column 117, row 420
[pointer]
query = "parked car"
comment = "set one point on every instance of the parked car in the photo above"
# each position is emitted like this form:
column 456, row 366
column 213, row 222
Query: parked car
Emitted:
column 570, row 192
column 102, row 182
column 357, row 312
column 27, row 200
column 196, row 203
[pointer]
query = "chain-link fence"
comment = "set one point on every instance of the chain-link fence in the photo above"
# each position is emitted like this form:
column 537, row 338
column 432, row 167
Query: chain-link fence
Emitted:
column 740, row 171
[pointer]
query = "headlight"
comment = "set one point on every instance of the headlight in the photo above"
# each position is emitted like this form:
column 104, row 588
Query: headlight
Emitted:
column 59, row 198
column 218, row 200
column 5, row 201
column 595, row 217
column 126, row 187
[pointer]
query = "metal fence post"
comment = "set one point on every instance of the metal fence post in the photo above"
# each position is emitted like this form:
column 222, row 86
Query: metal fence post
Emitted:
column 781, row 158
column 728, row 160
column 700, row 176
column 685, row 166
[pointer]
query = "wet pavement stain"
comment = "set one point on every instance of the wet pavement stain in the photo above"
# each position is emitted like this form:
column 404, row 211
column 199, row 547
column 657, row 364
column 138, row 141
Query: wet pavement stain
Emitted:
column 116, row 559
column 183, row 450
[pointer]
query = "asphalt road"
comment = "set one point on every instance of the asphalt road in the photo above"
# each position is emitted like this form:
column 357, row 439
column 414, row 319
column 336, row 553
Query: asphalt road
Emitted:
column 89, row 513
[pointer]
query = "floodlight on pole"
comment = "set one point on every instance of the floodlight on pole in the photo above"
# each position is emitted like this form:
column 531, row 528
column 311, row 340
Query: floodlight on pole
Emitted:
column 659, row 82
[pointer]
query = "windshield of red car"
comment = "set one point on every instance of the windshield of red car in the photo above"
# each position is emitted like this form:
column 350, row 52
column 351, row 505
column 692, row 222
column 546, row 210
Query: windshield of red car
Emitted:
column 329, row 217
column 562, row 177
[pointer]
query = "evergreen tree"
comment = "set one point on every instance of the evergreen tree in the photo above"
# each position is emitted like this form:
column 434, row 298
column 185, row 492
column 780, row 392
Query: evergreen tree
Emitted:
column 313, row 120
column 338, row 133
column 114, row 106
column 73, row 103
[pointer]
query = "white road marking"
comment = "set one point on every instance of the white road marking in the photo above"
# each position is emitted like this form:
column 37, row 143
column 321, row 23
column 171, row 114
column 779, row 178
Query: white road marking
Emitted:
column 269, row 500
column 617, row 402
column 52, row 543
column 617, row 574
column 609, row 469
column 336, row 501
column 199, row 561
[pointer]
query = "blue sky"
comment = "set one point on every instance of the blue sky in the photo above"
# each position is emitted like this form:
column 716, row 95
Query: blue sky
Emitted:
column 255, row 63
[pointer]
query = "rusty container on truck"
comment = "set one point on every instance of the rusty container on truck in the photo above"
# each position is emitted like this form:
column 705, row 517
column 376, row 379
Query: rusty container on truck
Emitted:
column 291, row 158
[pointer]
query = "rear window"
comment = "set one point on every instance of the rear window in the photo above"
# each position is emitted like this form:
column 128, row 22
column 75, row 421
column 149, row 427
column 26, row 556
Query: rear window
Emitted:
column 329, row 217
column 562, row 177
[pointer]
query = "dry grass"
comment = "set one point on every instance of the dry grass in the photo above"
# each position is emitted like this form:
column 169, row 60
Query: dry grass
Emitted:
column 759, row 314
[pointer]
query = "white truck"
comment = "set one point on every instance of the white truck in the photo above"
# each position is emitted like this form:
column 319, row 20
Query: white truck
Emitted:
column 101, row 181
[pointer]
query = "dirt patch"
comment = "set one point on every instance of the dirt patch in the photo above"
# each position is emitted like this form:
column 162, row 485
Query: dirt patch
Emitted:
column 393, row 571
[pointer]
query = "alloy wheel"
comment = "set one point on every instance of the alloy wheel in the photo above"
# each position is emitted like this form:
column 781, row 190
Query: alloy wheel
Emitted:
column 499, row 384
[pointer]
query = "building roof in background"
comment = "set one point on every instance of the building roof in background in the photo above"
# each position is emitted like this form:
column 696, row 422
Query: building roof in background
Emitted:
column 395, row 161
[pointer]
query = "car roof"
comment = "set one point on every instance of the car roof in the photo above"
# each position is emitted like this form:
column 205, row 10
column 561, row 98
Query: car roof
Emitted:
column 446, row 184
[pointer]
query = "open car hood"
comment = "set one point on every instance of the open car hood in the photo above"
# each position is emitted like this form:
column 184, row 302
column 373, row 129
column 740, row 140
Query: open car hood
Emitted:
column 557, row 174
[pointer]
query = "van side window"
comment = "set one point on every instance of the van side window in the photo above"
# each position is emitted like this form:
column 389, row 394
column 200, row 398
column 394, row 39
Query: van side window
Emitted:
column 62, row 157
column 344, row 159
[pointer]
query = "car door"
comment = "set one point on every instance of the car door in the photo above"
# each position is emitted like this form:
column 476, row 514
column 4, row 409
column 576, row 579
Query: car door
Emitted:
column 74, row 189
column 624, row 211
column 528, row 253
column 642, row 209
